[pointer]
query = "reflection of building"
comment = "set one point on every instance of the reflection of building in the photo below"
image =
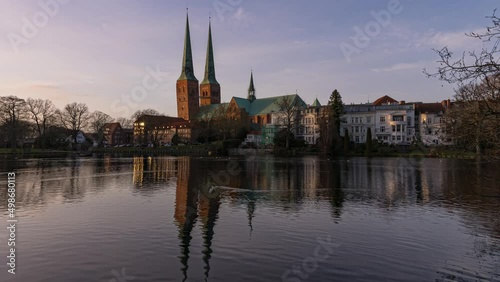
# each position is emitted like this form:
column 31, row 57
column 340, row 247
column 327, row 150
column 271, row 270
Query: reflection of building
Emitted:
column 194, row 199
column 153, row 169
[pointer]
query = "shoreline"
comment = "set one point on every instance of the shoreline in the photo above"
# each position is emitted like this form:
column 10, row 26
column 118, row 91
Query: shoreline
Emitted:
column 213, row 152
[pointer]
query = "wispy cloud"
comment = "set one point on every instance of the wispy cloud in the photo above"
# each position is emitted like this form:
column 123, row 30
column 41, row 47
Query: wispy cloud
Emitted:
column 400, row 67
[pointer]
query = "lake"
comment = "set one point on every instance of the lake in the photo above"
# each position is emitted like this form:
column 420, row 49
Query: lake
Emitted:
column 253, row 219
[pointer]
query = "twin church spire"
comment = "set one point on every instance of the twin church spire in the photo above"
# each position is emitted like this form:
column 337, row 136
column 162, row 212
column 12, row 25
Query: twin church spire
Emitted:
column 187, row 72
column 209, row 64
column 190, row 95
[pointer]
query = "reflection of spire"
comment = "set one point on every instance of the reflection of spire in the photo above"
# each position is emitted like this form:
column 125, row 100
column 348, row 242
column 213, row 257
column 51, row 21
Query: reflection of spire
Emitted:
column 186, row 212
column 250, row 214
column 209, row 211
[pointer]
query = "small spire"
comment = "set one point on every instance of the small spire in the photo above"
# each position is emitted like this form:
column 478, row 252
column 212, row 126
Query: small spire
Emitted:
column 251, row 89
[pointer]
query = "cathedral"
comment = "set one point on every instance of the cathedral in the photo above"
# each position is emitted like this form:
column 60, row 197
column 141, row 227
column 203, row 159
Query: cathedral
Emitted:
column 194, row 99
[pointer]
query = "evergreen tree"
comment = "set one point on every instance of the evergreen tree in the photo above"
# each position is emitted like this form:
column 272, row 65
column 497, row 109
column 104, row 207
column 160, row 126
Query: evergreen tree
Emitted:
column 336, row 110
column 368, row 142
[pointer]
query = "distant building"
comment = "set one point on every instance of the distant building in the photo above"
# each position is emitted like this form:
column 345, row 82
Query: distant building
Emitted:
column 309, row 123
column 432, row 124
column 112, row 133
column 159, row 130
column 80, row 138
column 390, row 121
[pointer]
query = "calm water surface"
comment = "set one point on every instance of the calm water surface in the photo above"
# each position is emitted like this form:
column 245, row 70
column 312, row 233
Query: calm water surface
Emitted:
column 253, row 219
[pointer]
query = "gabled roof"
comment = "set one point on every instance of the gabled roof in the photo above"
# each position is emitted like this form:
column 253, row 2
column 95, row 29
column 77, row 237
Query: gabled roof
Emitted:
column 384, row 100
column 242, row 103
column 430, row 107
column 266, row 105
column 316, row 103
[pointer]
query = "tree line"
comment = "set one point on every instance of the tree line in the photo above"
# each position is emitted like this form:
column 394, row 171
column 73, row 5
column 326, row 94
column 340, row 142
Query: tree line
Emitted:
column 41, row 120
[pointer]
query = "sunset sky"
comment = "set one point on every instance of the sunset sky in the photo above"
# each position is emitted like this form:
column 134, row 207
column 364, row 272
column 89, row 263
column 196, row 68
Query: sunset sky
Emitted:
column 96, row 52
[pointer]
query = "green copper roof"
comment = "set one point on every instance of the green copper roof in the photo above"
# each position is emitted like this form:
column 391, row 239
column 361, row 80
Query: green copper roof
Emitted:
column 265, row 105
column 210, row 64
column 187, row 60
column 242, row 103
column 251, row 89
column 316, row 103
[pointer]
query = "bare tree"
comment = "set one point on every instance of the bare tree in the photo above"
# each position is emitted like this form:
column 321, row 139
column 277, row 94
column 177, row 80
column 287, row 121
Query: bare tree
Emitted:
column 473, row 120
column 288, row 115
column 74, row 117
column 226, row 121
column 477, row 95
column 97, row 121
column 42, row 112
column 140, row 113
column 13, row 115
column 125, row 122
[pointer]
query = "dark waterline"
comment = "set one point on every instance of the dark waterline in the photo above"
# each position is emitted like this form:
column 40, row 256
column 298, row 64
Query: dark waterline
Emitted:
column 254, row 219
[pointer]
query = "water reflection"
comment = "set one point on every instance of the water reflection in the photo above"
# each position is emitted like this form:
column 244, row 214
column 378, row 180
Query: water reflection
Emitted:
column 201, row 188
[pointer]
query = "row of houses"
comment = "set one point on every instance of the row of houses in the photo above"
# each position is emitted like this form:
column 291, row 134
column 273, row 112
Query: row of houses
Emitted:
column 390, row 121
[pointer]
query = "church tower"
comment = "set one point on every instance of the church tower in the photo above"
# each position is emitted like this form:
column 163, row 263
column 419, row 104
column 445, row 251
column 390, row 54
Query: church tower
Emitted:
column 209, row 87
column 251, row 89
column 188, row 94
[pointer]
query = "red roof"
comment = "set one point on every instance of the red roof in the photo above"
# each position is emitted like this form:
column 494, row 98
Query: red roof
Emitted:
column 385, row 100
column 430, row 107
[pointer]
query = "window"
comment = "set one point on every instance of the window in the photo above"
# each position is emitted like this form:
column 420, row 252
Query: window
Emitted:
column 393, row 128
column 382, row 129
column 357, row 129
column 398, row 128
column 397, row 118
column 393, row 137
column 429, row 121
column 368, row 119
column 399, row 137
column 357, row 139
column 382, row 119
